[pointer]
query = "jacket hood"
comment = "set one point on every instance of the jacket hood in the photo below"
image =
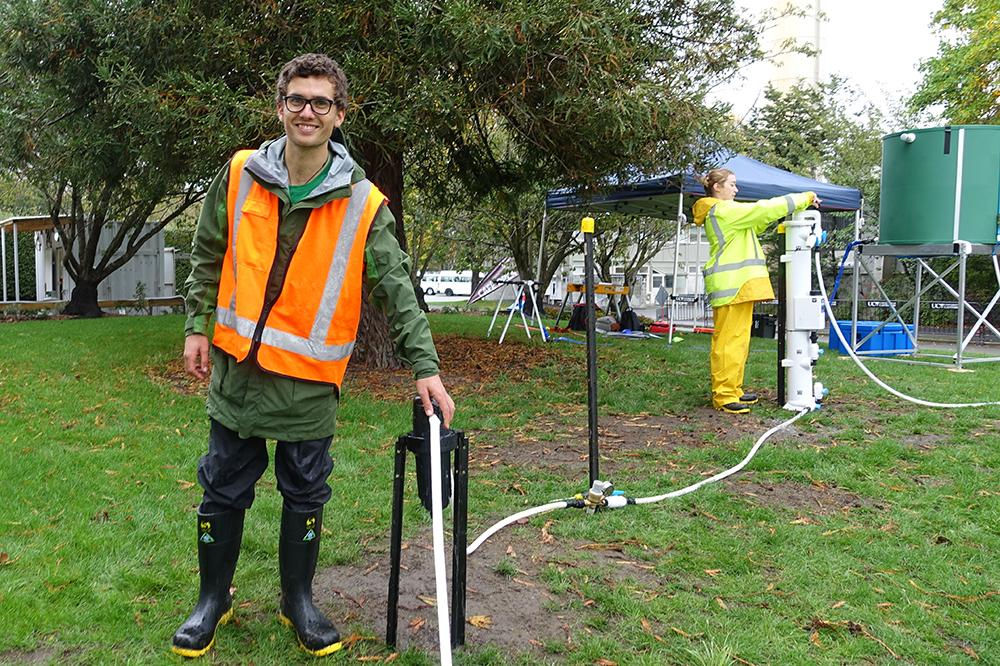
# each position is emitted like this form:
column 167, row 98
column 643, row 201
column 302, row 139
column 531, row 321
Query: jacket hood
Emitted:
column 701, row 208
column 267, row 164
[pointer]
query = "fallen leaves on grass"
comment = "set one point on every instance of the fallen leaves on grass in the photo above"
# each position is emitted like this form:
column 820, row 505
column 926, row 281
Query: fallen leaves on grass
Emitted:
column 648, row 628
column 481, row 621
column 416, row 624
column 615, row 545
column 854, row 628
column 546, row 537
column 5, row 559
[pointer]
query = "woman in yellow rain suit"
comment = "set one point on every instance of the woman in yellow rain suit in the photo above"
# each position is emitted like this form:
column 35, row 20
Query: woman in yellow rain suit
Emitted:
column 736, row 276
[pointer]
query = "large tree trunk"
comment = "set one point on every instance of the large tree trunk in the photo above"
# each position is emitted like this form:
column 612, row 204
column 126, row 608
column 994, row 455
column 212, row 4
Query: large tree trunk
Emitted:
column 83, row 300
column 374, row 346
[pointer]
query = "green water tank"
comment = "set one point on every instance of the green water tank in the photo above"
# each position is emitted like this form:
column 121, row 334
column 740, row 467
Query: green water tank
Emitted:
column 940, row 185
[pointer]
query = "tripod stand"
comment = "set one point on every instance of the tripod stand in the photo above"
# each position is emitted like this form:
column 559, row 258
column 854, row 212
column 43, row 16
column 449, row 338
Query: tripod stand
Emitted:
column 525, row 288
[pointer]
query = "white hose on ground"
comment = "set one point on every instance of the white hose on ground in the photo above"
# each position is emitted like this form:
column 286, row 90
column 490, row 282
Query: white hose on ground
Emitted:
column 437, row 530
column 729, row 472
column 527, row 513
column 618, row 501
column 843, row 341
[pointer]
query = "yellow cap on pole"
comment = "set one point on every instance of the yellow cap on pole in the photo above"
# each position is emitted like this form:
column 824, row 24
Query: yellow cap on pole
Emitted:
column 587, row 225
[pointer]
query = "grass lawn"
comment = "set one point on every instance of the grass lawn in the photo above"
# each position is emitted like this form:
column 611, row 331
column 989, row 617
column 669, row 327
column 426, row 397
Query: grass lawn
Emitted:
column 867, row 532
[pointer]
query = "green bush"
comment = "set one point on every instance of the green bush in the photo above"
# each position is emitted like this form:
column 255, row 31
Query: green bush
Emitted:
column 26, row 264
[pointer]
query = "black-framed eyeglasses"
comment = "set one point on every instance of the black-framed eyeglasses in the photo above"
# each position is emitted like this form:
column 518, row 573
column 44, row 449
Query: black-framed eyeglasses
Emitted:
column 296, row 103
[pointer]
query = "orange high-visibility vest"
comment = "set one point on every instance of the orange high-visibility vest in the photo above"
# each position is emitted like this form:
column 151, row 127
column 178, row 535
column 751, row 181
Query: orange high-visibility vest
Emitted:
column 309, row 332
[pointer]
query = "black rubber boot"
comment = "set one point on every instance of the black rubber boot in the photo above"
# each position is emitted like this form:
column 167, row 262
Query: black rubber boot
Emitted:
column 219, row 537
column 298, row 550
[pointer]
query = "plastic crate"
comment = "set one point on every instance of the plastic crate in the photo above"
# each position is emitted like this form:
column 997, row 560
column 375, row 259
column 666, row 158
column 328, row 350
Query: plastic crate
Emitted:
column 891, row 339
column 764, row 326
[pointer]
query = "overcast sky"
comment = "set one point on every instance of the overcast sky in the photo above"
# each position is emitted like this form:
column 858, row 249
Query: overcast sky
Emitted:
column 876, row 44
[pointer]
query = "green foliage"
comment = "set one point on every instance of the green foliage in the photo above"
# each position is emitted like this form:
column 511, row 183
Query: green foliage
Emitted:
column 26, row 265
column 114, row 108
column 810, row 130
column 964, row 76
column 179, row 237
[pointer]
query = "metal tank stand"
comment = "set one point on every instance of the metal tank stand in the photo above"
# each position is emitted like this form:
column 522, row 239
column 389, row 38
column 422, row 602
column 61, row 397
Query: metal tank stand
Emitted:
column 418, row 441
column 960, row 251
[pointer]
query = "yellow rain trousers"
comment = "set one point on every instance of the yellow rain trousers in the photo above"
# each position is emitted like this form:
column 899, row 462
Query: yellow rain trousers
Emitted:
column 731, row 341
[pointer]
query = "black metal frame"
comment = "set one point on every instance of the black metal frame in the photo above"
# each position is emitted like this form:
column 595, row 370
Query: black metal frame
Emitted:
column 459, row 519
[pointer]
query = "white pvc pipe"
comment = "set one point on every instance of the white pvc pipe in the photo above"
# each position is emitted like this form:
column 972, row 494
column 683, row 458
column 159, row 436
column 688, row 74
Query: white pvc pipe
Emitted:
column 437, row 529
column 729, row 472
column 804, row 313
column 958, row 184
column 879, row 382
column 677, row 255
column 527, row 513
column 3, row 260
column 17, row 268
column 618, row 501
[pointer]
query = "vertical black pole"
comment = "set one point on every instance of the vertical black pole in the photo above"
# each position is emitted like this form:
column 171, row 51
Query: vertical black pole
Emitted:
column 782, row 314
column 395, row 542
column 460, row 516
column 587, row 227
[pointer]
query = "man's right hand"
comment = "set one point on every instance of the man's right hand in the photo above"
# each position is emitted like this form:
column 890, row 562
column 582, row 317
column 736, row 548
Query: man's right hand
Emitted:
column 196, row 355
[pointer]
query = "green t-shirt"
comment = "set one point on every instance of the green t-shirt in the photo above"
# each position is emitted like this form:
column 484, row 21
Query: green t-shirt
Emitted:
column 297, row 193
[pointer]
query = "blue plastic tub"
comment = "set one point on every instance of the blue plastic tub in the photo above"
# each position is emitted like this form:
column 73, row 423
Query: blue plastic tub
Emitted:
column 891, row 339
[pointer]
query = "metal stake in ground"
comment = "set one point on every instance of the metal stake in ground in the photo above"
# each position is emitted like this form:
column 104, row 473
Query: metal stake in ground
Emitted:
column 587, row 228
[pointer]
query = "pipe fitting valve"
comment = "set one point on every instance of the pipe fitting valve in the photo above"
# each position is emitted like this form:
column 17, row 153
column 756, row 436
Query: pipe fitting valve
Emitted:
column 598, row 494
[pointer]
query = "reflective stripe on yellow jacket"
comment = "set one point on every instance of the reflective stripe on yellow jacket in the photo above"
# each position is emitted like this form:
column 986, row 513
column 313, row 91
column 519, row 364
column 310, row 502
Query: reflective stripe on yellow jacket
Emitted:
column 735, row 254
column 310, row 330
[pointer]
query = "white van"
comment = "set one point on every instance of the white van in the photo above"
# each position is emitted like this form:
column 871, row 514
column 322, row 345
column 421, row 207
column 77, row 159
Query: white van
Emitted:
column 447, row 283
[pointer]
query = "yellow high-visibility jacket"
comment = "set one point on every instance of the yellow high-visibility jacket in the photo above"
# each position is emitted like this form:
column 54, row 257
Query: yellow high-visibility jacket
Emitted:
column 735, row 255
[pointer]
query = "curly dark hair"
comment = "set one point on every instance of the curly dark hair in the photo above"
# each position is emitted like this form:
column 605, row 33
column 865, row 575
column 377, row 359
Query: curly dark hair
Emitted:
column 314, row 64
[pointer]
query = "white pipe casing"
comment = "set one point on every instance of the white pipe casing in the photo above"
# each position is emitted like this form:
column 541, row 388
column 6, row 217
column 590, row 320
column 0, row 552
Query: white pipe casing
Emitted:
column 804, row 314
column 437, row 530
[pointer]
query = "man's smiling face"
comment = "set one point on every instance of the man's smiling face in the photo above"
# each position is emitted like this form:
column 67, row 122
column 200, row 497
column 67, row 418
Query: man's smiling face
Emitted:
column 306, row 128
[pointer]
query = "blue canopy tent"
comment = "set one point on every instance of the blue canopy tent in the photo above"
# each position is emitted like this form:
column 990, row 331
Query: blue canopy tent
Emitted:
column 657, row 197
column 663, row 196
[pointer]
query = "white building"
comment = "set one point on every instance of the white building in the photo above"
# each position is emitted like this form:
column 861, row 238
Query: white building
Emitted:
column 656, row 274
column 150, row 271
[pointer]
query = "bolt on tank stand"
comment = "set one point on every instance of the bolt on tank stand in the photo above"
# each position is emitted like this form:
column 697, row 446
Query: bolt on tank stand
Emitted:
column 418, row 441
column 802, row 312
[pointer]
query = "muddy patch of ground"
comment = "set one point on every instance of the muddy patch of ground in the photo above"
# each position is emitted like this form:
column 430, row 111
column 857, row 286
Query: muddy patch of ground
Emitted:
column 467, row 365
column 173, row 374
column 39, row 656
column 558, row 443
column 816, row 498
column 508, row 606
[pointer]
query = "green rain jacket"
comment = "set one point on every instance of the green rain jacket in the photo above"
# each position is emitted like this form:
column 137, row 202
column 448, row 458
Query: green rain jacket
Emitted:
column 735, row 255
column 243, row 397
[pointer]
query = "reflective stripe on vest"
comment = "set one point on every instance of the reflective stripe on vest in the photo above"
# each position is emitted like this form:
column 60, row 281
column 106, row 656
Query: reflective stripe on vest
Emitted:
column 732, row 273
column 320, row 344
column 790, row 202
